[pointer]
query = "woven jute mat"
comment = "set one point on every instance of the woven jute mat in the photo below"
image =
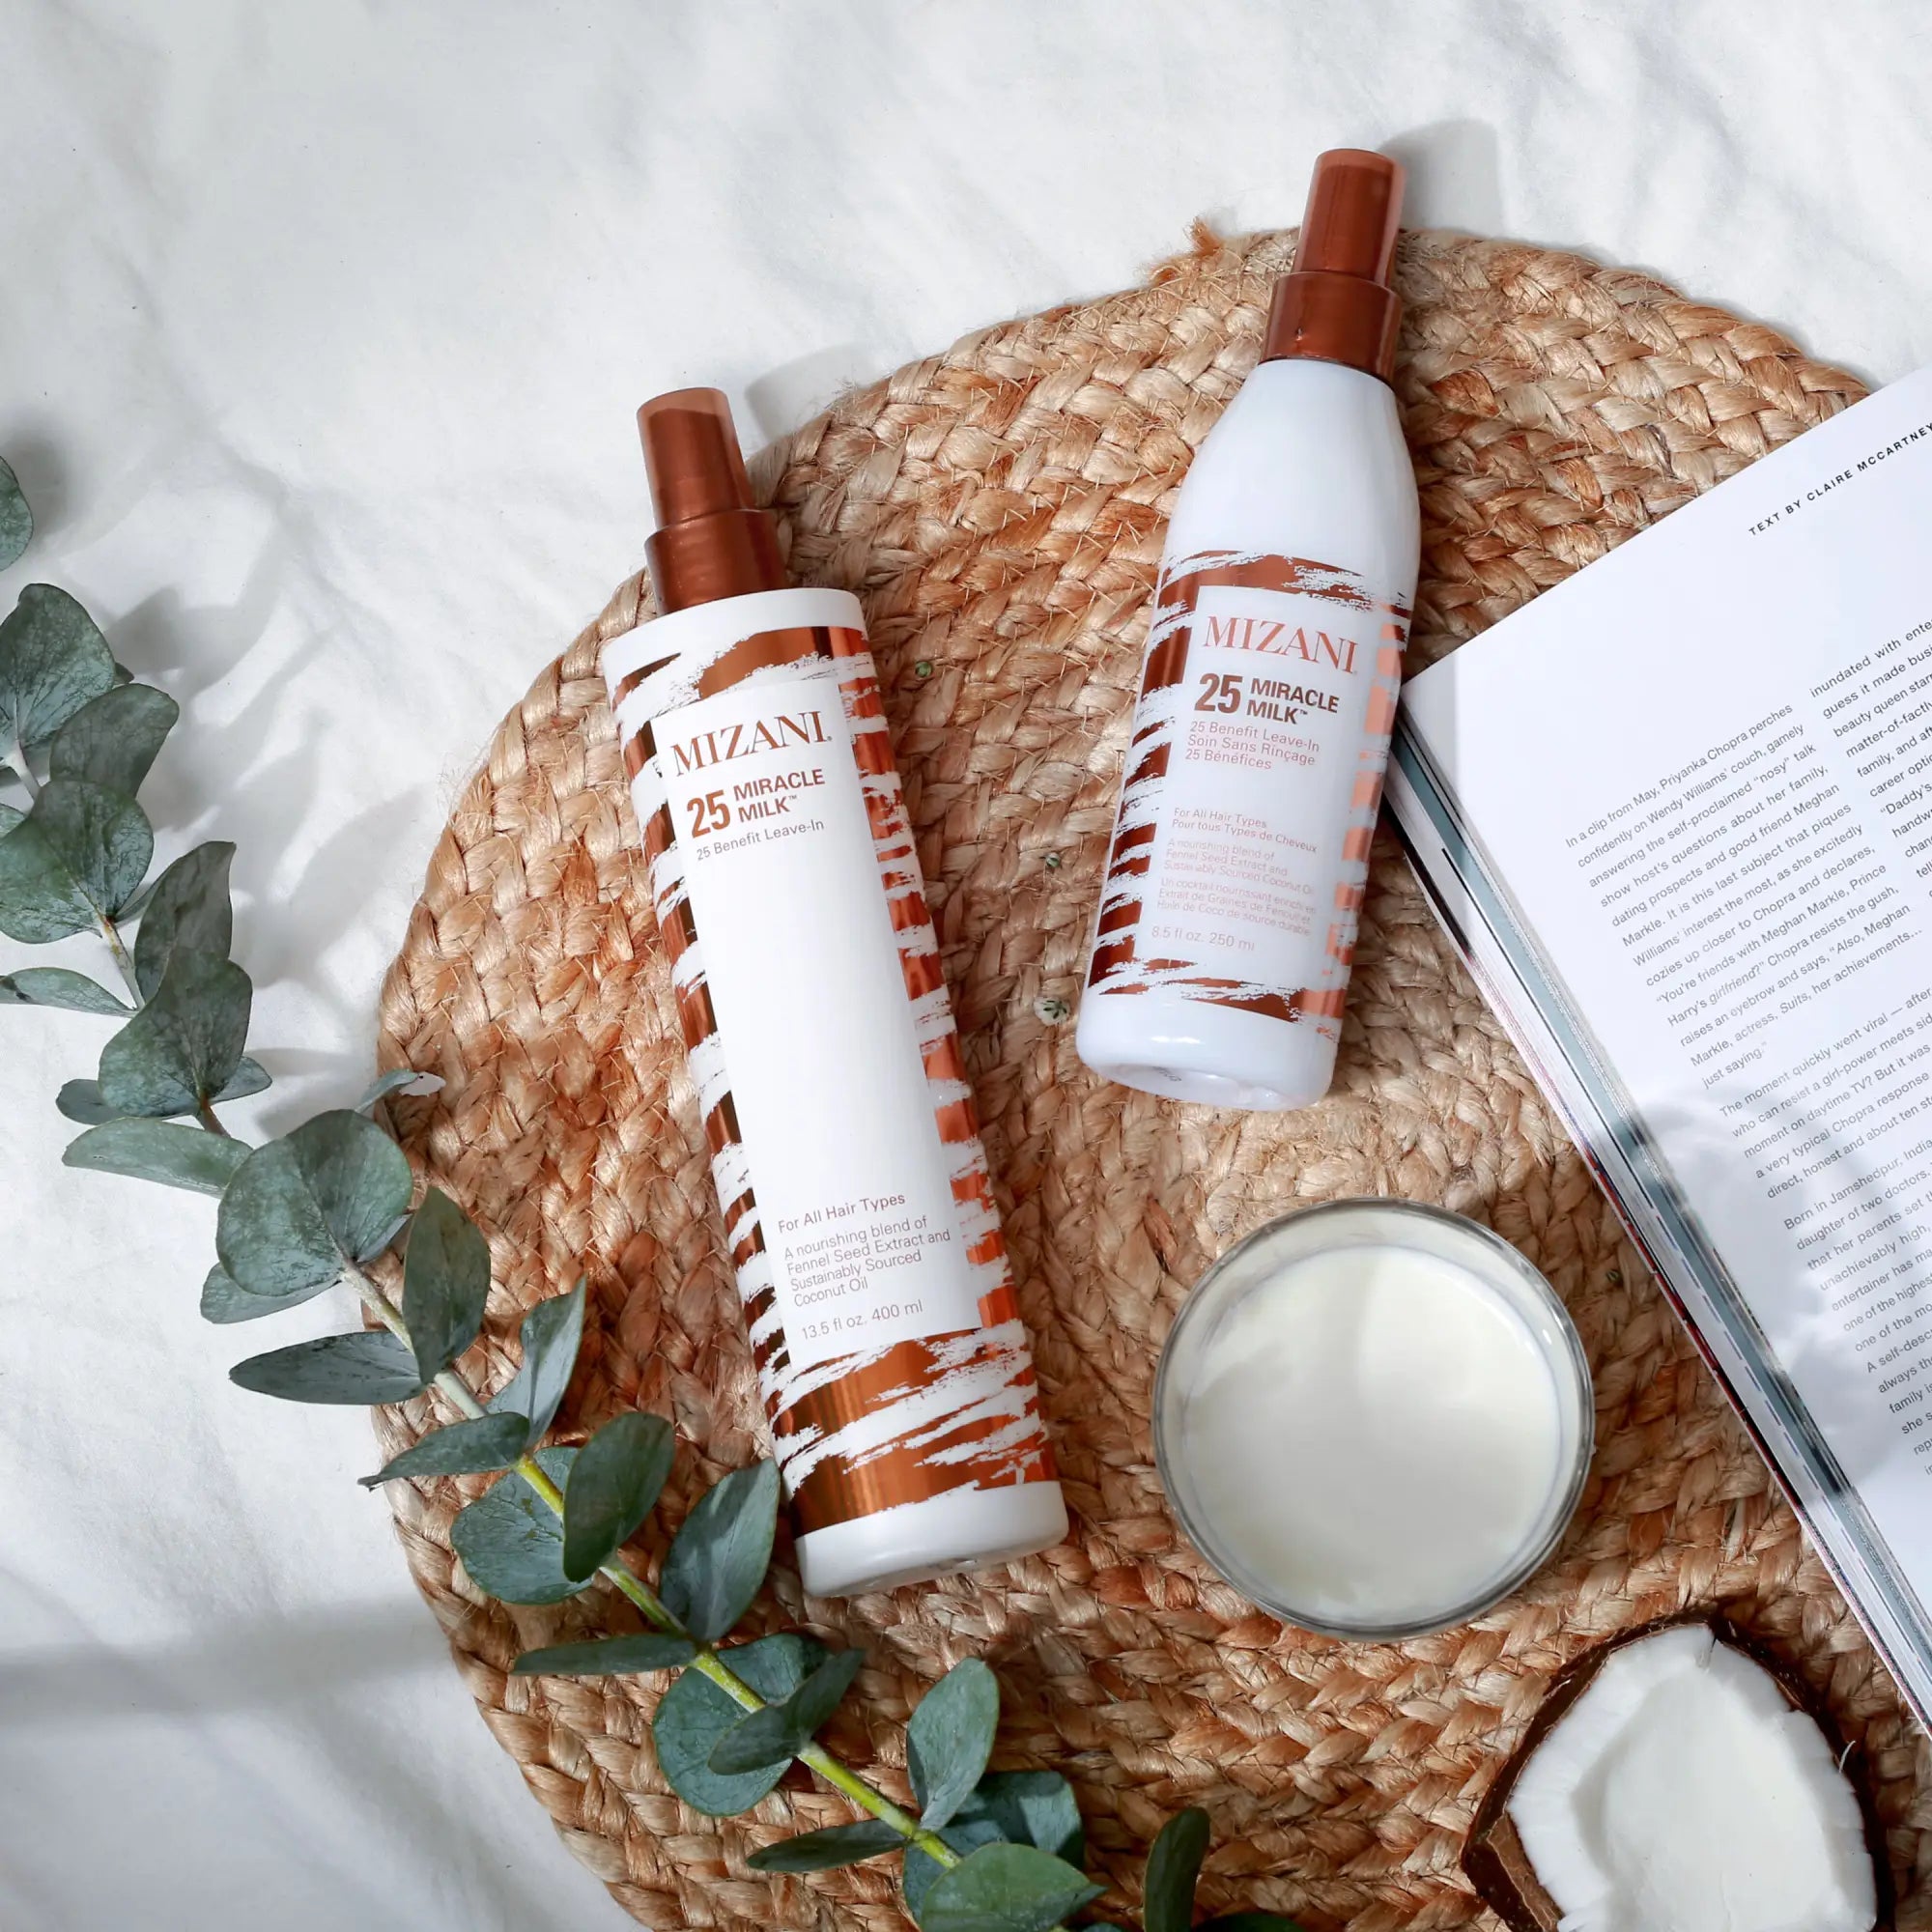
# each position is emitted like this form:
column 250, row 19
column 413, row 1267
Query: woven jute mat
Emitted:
column 999, row 510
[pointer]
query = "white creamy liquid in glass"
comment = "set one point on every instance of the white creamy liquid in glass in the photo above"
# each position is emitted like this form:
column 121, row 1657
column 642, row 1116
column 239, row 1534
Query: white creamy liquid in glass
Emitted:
column 1373, row 1433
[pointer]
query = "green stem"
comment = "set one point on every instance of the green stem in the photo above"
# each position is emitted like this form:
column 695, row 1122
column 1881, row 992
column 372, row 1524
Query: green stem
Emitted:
column 25, row 770
column 117, row 945
column 707, row 1663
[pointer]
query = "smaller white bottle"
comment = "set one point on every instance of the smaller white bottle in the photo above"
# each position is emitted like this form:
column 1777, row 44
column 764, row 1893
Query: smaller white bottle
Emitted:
column 1227, row 919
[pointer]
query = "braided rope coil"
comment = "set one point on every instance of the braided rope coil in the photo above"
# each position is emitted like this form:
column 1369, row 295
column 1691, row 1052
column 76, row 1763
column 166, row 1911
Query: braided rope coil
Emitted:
column 999, row 510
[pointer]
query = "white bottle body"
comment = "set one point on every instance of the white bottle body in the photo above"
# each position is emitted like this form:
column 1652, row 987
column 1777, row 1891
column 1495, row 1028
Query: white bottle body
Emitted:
column 858, row 1208
column 1226, row 926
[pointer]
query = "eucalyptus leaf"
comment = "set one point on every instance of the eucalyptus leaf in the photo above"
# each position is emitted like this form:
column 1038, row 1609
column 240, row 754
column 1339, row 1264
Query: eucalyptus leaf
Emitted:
column 250, row 1076
column 552, row 1334
column 1031, row 1808
column 950, row 1738
column 614, row 1485
column 400, row 1080
column 721, row 1551
column 11, row 815
column 56, row 987
column 916, row 1875
column 176, row 1156
column 136, row 906
column 16, row 520
column 1173, row 1870
column 185, row 1045
column 388, row 1235
column 695, row 1713
column 1026, row 1808
column 113, row 740
column 53, row 660
column 826, row 1850
column 1250, row 1922
column 781, row 1731
column 446, row 1282
column 1003, row 1887
column 607, row 1656
column 303, row 1206
column 78, row 856
column 468, row 1448
column 223, row 1302
column 82, row 1100
column 363, row 1368
column 188, row 911
column 511, row 1542
column 921, row 1871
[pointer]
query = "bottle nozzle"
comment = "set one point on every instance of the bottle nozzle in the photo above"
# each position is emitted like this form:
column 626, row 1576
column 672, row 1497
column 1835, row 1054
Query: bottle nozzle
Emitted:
column 692, row 456
column 1336, row 304
column 711, row 540
column 1354, row 208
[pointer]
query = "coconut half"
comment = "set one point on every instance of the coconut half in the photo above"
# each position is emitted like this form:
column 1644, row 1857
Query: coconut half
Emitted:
column 1675, row 1784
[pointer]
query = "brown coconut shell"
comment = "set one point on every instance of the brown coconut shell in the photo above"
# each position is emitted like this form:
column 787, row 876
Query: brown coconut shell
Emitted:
column 1493, row 1858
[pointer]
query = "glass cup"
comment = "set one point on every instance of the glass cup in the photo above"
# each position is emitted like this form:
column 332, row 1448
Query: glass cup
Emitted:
column 1266, row 1260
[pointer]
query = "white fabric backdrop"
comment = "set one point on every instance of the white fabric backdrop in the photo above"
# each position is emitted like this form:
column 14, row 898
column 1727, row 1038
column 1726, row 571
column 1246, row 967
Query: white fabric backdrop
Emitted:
column 320, row 329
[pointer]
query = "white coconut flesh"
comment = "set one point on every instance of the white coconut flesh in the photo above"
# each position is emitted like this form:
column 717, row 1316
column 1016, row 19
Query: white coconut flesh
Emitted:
column 1682, row 1793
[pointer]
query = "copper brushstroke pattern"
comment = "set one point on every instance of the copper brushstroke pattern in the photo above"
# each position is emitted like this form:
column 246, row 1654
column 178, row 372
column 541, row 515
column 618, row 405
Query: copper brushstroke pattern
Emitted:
column 868, row 1431
column 1118, row 967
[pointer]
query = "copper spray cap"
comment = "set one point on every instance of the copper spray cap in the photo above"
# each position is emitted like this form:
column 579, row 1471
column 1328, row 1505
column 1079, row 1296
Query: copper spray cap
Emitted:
column 712, row 539
column 1336, row 304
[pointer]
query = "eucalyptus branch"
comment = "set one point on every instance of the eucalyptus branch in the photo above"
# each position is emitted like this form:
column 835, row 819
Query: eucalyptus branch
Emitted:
column 315, row 1209
column 841, row 1776
column 706, row 1659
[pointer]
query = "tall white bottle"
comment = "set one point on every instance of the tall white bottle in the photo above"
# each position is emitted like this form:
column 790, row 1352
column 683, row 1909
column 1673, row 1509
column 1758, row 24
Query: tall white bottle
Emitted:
column 858, row 1208
column 1227, row 919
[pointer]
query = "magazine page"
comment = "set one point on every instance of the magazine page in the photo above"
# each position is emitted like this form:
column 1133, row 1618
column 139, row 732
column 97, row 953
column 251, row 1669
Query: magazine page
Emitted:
column 1570, row 1067
column 1697, row 780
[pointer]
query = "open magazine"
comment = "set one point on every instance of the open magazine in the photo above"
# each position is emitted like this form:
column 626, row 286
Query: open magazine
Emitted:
column 1677, row 813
